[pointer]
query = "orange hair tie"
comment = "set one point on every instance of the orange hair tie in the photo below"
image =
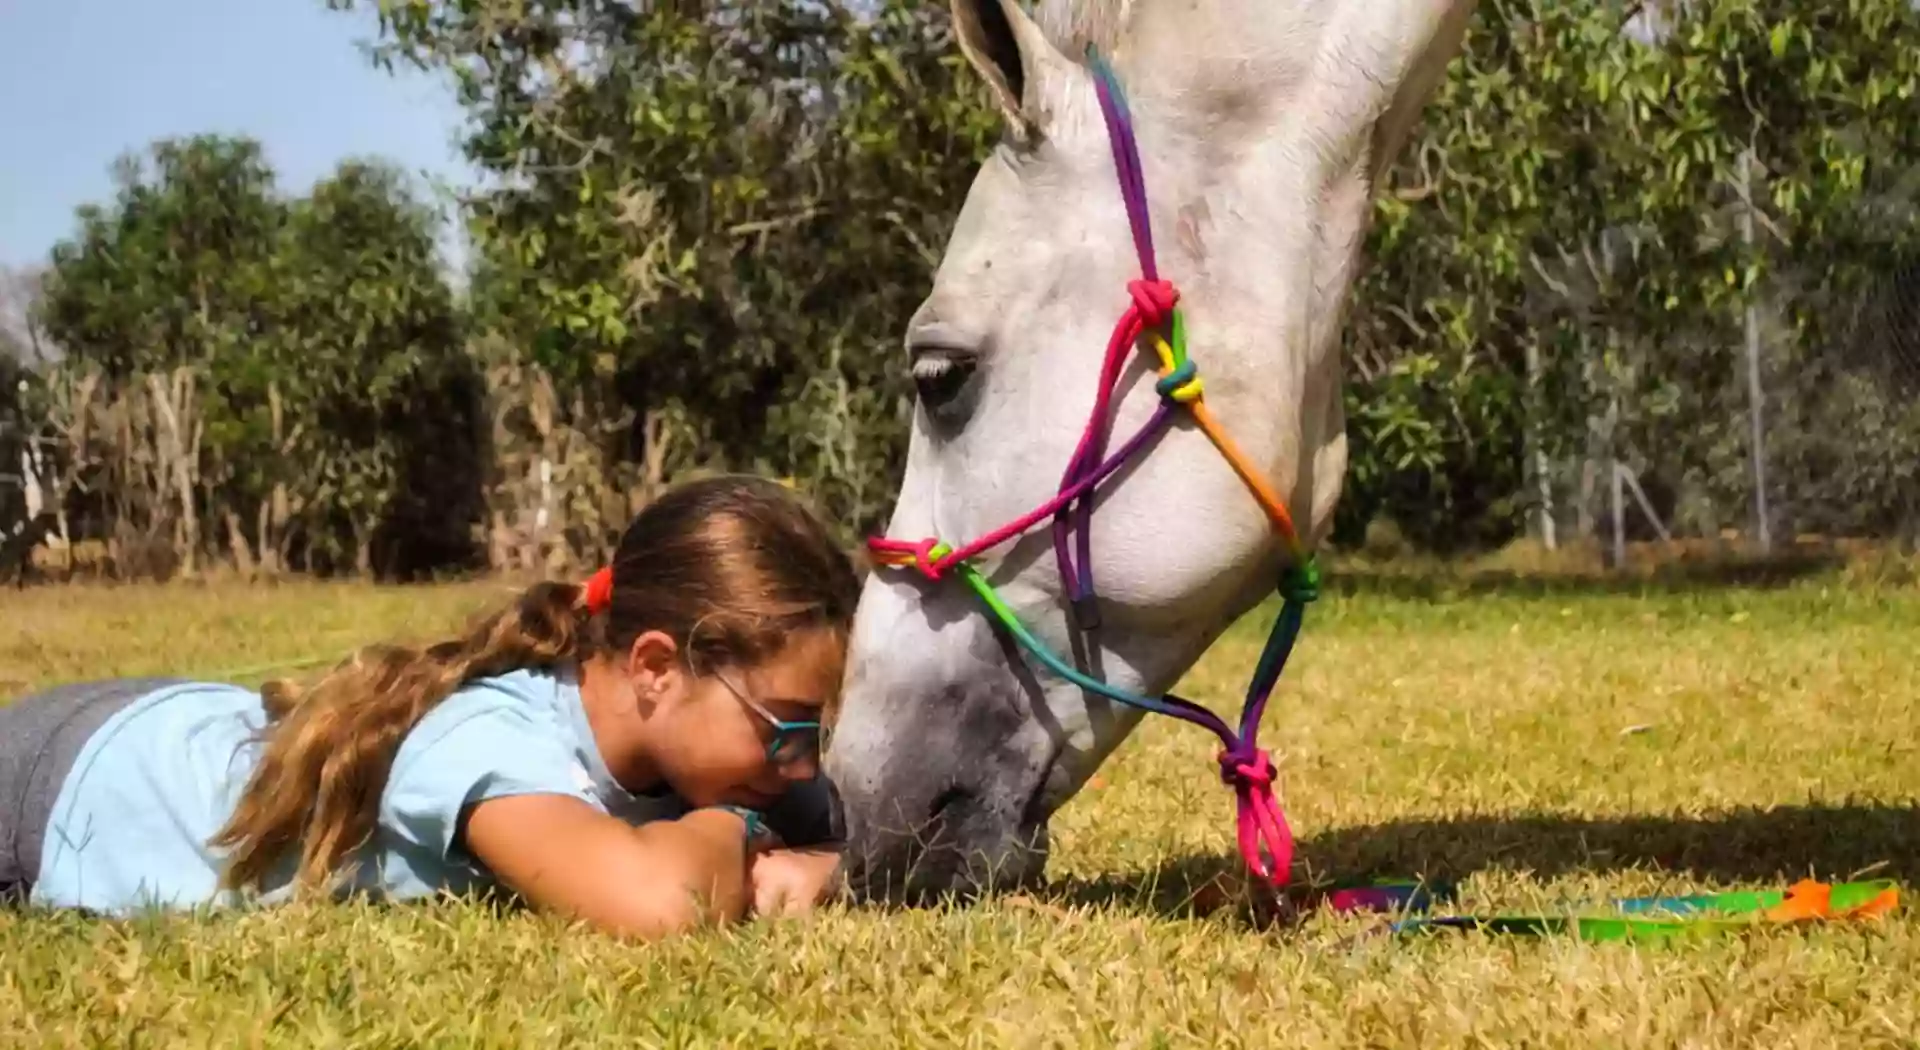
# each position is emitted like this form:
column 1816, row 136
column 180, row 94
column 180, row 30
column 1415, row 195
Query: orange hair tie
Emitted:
column 598, row 591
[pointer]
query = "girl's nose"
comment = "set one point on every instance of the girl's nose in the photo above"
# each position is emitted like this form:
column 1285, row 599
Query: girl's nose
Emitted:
column 800, row 769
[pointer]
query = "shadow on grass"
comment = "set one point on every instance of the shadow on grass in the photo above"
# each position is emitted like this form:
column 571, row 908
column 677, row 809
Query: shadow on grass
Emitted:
column 1771, row 846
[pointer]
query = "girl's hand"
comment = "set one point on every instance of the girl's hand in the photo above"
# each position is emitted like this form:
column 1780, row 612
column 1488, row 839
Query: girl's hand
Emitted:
column 792, row 881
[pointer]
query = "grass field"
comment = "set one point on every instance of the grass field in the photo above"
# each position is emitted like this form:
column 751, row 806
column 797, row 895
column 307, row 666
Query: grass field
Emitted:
column 1542, row 742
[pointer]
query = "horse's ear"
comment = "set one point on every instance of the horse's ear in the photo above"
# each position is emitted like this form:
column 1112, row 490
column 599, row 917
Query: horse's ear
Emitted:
column 1002, row 42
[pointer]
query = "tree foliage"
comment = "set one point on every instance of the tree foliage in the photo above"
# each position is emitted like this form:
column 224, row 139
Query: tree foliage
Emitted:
column 303, row 336
column 1576, row 189
column 703, row 227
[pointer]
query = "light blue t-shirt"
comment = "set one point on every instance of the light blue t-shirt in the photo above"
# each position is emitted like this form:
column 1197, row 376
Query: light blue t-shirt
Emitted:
column 131, row 823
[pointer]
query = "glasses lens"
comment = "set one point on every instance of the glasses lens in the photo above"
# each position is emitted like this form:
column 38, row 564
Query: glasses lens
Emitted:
column 794, row 745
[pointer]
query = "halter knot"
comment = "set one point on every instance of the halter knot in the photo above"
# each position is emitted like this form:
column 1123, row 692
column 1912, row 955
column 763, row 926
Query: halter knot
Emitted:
column 926, row 557
column 1246, row 769
column 1153, row 301
column 1182, row 386
column 1266, row 842
column 1301, row 583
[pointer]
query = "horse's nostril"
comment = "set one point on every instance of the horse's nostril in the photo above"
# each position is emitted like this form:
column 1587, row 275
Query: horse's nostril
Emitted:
column 945, row 800
column 836, row 813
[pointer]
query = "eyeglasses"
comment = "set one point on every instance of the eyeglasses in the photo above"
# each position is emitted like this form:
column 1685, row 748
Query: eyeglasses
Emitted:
column 792, row 741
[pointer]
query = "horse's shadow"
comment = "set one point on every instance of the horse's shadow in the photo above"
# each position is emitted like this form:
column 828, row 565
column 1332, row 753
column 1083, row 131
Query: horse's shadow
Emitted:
column 1745, row 846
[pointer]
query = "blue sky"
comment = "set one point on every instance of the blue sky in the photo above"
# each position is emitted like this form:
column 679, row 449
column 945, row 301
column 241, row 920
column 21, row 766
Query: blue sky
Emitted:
column 82, row 81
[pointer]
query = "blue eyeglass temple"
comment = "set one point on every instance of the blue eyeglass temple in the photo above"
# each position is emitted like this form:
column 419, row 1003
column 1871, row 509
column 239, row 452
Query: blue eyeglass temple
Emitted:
column 782, row 731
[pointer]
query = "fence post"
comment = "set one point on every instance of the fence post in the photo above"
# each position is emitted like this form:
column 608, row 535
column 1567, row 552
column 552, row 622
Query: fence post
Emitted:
column 1536, row 435
column 1619, row 516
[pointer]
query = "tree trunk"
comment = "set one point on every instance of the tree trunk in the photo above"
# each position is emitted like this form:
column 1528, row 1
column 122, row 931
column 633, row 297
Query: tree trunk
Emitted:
column 1757, row 435
column 237, row 543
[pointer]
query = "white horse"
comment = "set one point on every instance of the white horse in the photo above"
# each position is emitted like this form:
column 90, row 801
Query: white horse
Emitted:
column 1263, row 129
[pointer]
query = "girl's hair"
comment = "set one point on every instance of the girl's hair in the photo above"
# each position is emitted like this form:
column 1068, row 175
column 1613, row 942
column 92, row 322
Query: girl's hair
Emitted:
column 727, row 566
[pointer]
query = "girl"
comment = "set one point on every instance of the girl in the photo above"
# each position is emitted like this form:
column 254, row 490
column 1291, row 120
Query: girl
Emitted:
column 632, row 752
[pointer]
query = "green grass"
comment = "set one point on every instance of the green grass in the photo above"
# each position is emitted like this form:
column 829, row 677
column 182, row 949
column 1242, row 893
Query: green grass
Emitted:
column 1542, row 743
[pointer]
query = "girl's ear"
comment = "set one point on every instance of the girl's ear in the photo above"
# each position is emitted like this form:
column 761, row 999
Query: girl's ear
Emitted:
column 653, row 664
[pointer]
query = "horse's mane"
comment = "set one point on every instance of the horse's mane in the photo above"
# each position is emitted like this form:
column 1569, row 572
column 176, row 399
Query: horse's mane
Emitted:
column 1072, row 24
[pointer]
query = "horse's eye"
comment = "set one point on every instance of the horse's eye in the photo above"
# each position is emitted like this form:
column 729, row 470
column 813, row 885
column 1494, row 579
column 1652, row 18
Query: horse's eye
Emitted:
column 940, row 374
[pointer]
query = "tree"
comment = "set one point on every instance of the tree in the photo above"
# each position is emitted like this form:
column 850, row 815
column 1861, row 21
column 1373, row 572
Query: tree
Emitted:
column 370, row 356
column 261, row 361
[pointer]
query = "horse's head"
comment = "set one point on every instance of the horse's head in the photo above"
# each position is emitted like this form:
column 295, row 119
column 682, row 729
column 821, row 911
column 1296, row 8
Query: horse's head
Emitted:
column 1262, row 126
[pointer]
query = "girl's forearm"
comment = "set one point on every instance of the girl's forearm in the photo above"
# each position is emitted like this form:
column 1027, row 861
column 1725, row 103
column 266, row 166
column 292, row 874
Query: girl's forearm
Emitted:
column 659, row 879
column 708, row 866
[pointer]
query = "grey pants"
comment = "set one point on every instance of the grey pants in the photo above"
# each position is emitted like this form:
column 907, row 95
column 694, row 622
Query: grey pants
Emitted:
column 40, row 737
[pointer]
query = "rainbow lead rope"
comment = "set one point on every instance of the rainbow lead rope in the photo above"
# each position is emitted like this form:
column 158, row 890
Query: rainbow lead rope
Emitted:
column 1635, row 918
column 1153, row 314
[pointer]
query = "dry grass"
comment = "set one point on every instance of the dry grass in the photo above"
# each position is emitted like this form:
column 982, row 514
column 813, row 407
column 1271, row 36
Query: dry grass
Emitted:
column 1538, row 739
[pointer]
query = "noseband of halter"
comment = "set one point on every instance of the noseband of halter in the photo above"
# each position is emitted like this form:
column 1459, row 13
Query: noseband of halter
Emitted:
column 1154, row 309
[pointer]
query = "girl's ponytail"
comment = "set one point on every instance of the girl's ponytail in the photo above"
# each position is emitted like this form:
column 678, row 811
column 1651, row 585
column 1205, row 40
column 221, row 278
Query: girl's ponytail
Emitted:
column 329, row 746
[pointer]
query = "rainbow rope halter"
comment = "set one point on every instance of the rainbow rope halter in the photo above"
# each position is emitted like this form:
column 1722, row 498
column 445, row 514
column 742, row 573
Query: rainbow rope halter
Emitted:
column 1244, row 765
